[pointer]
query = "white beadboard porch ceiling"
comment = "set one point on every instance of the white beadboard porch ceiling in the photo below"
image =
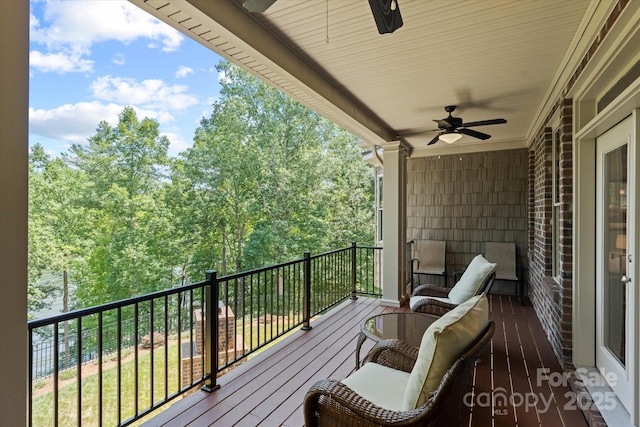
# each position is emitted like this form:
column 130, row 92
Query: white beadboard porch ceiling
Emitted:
column 491, row 58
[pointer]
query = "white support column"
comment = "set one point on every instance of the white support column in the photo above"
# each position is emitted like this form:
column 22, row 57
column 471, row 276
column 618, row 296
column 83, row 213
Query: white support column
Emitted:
column 14, row 120
column 394, row 223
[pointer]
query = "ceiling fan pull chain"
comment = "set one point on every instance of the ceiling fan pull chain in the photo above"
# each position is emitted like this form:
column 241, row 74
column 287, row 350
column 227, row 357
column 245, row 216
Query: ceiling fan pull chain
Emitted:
column 327, row 39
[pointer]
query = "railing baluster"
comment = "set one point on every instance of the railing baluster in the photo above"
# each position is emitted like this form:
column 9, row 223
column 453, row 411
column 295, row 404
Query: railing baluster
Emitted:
column 56, row 370
column 30, row 373
column 179, row 367
column 79, row 369
column 296, row 301
column 136, row 360
column 266, row 288
column 251, row 316
column 151, row 353
column 166, row 347
column 100, row 378
column 191, row 307
column 236, row 297
column 119, row 363
column 226, row 321
column 354, row 267
column 273, row 288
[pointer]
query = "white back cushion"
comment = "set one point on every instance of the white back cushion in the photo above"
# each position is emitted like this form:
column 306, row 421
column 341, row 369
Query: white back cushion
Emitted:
column 472, row 278
column 442, row 343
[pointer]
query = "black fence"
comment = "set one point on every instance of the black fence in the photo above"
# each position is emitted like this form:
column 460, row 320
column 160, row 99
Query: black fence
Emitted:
column 115, row 363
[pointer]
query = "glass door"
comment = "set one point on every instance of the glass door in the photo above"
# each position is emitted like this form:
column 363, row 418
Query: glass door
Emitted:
column 614, row 308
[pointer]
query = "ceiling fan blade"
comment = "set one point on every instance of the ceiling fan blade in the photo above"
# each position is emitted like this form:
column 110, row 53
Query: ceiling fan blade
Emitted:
column 474, row 133
column 418, row 132
column 386, row 13
column 258, row 6
column 434, row 140
column 442, row 124
column 484, row 123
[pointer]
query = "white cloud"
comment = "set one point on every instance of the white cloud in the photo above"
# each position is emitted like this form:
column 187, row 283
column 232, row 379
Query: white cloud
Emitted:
column 88, row 22
column 183, row 71
column 119, row 59
column 59, row 62
column 77, row 122
column 152, row 93
column 177, row 143
column 70, row 28
column 222, row 77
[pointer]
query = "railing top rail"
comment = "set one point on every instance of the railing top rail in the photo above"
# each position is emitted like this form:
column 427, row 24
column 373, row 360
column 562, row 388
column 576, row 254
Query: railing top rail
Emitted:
column 370, row 247
column 254, row 271
column 335, row 251
column 234, row 276
column 37, row 323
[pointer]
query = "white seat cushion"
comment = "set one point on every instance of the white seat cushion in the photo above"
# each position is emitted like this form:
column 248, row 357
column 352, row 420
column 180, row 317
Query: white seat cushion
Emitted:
column 380, row 385
column 442, row 343
column 472, row 278
column 414, row 300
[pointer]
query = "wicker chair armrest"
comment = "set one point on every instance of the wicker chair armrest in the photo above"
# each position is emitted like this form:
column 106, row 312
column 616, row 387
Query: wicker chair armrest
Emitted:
column 336, row 404
column 394, row 354
column 432, row 306
column 430, row 291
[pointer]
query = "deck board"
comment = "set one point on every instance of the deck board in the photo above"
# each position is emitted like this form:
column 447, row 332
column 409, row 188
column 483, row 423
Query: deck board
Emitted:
column 268, row 389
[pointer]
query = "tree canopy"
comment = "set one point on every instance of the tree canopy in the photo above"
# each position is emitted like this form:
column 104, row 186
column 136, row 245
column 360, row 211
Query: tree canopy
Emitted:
column 265, row 180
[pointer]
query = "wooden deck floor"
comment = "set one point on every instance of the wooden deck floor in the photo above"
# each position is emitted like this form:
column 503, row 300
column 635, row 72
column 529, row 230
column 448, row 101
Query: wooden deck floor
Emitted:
column 269, row 389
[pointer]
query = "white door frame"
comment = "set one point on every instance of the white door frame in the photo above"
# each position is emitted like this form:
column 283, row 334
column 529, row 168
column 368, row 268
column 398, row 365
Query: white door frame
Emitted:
column 618, row 376
column 615, row 54
column 584, row 241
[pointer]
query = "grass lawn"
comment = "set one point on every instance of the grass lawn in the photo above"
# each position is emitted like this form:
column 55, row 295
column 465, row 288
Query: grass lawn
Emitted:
column 43, row 409
column 43, row 404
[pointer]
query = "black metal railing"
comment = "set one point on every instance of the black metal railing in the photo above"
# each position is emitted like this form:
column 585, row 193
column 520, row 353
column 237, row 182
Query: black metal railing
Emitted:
column 115, row 363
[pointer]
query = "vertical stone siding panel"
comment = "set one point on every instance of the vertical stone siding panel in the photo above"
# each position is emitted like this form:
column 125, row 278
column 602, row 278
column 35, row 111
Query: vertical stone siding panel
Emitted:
column 468, row 200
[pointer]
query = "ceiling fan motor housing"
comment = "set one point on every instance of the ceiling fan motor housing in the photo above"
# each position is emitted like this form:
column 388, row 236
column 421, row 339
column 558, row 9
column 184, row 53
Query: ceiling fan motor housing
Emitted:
column 454, row 121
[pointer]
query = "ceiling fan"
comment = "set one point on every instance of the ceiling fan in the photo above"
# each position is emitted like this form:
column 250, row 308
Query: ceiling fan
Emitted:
column 386, row 13
column 452, row 128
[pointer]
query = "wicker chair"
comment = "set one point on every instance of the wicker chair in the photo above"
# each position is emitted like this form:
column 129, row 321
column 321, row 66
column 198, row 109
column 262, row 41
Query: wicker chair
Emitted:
column 438, row 304
column 476, row 279
column 331, row 403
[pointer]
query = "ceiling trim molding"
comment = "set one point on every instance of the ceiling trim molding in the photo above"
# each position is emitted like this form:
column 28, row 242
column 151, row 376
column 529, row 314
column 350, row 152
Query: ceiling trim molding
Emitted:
column 593, row 20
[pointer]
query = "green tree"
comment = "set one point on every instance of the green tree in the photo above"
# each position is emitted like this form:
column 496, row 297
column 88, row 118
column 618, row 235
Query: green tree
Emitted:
column 221, row 167
column 125, row 169
column 350, row 189
column 56, row 227
column 276, row 174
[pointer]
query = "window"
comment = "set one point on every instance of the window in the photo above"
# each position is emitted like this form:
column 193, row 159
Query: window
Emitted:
column 556, row 203
column 379, row 205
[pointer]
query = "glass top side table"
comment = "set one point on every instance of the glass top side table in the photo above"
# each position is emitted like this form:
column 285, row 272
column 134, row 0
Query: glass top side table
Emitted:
column 407, row 327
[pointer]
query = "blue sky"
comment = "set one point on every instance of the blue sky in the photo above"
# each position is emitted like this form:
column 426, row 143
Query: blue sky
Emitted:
column 91, row 58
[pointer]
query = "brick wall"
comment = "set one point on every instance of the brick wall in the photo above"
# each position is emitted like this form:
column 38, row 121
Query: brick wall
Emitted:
column 468, row 200
column 229, row 345
column 552, row 296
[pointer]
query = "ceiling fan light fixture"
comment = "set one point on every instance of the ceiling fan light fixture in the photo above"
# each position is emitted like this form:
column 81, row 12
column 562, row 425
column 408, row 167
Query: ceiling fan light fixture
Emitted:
column 450, row 138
